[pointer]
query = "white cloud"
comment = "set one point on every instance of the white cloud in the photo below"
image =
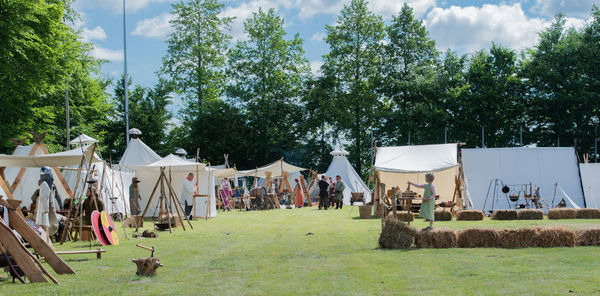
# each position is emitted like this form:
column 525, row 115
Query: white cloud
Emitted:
column 156, row 27
column 115, row 5
column 571, row 8
column 107, row 54
column 319, row 36
column 243, row 12
column 387, row 8
column 315, row 67
column 574, row 22
column 474, row 28
column 96, row 33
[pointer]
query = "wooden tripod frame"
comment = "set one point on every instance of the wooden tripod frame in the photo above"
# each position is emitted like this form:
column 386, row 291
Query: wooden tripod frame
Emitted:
column 171, row 197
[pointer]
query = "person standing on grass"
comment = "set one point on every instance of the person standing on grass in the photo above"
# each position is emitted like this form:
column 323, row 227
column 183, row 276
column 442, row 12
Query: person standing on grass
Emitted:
column 323, row 193
column 187, row 195
column 298, row 198
column 339, row 192
column 428, row 204
column 134, row 196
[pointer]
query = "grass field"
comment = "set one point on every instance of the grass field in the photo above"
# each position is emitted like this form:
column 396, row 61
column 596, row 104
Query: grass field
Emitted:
column 270, row 253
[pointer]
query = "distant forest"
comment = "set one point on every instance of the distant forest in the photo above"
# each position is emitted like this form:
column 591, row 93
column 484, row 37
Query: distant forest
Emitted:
column 258, row 101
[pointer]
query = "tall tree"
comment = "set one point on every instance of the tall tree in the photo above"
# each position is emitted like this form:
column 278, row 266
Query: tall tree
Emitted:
column 410, row 78
column 196, row 50
column 355, row 43
column 41, row 56
column 268, row 73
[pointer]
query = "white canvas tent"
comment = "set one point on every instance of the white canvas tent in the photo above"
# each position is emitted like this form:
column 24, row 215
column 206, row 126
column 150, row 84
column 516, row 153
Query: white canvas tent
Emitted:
column 590, row 177
column 341, row 166
column 25, row 164
column 177, row 170
column 276, row 168
column 138, row 154
column 540, row 166
column 395, row 166
column 83, row 139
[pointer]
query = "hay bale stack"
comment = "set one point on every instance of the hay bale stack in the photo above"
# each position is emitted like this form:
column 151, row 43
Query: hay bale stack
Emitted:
column 442, row 216
column 478, row 238
column 517, row 238
column 438, row 238
column 469, row 215
column 588, row 214
column 550, row 237
column 396, row 234
column 505, row 215
column 530, row 214
column 403, row 216
column 562, row 213
column 588, row 237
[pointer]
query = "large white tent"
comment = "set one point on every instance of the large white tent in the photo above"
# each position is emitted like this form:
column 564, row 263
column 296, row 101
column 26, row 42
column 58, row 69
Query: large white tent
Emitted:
column 341, row 166
column 540, row 166
column 395, row 166
column 177, row 169
column 590, row 177
column 25, row 164
column 276, row 168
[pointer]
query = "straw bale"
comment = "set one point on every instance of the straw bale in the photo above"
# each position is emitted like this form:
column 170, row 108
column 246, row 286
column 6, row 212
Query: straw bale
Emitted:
column 396, row 234
column 403, row 216
column 531, row 214
column 478, row 238
column 588, row 214
column 562, row 213
column 436, row 238
column 442, row 215
column 517, row 238
column 505, row 215
column 549, row 237
column 469, row 215
column 588, row 237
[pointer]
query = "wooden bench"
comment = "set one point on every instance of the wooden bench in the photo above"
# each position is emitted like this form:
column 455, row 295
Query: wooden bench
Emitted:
column 97, row 251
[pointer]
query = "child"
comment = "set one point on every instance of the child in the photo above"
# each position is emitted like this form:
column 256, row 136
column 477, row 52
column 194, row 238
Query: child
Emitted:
column 428, row 204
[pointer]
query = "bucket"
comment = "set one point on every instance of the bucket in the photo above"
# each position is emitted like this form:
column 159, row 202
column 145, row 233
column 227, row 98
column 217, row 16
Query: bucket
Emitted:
column 365, row 211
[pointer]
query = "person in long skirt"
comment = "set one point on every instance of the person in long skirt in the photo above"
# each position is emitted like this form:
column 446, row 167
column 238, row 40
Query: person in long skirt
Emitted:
column 298, row 197
column 428, row 204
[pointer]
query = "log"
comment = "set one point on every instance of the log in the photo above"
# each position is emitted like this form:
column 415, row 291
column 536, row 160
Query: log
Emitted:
column 147, row 266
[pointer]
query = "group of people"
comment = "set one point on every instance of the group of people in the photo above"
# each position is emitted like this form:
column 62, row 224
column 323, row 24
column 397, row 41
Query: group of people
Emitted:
column 331, row 193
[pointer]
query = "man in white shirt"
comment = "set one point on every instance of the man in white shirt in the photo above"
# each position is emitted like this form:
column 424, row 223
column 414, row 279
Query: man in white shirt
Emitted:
column 187, row 194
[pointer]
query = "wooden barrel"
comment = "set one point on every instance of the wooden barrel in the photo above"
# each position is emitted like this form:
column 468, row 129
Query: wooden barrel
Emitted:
column 365, row 211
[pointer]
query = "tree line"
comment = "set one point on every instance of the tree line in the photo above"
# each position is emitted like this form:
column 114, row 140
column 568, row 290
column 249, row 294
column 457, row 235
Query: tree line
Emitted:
column 258, row 101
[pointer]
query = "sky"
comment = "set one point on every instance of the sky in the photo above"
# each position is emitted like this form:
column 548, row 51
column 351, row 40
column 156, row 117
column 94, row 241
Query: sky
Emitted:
column 463, row 26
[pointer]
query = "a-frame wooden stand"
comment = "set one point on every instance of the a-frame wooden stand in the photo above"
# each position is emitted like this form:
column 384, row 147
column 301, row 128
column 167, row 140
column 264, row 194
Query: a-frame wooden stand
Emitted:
column 305, row 190
column 167, row 199
column 271, row 197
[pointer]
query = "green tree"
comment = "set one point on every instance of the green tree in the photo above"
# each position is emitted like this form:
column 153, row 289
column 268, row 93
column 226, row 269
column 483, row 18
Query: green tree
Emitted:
column 268, row 73
column 147, row 112
column 410, row 80
column 41, row 56
column 354, row 59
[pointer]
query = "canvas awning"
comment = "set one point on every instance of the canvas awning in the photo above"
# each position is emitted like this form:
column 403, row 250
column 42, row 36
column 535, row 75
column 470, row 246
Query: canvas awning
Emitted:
column 174, row 162
column 66, row 158
column 276, row 168
column 83, row 139
column 416, row 159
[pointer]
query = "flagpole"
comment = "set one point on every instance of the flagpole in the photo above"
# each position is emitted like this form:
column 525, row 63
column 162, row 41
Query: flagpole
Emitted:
column 125, row 80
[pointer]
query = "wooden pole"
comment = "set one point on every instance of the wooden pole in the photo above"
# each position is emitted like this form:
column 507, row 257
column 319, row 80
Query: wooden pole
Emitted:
column 149, row 201
column 178, row 206
column 208, row 209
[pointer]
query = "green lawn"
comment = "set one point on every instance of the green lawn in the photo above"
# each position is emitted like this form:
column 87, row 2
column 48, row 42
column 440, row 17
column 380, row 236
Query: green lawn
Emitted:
column 269, row 253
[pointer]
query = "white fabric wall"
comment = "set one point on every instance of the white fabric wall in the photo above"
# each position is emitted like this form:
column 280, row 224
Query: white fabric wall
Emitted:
column 540, row 166
column 149, row 177
column 590, row 177
column 341, row 166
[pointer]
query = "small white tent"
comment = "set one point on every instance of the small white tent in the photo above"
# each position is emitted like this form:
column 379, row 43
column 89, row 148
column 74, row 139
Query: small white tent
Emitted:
column 276, row 168
column 540, row 166
column 177, row 170
column 138, row 153
column 395, row 166
column 590, row 175
column 341, row 166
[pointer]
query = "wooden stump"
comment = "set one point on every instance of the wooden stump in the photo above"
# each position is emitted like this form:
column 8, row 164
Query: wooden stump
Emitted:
column 147, row 266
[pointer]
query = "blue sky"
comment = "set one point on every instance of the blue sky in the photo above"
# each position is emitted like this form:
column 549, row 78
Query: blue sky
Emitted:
column 463, row 26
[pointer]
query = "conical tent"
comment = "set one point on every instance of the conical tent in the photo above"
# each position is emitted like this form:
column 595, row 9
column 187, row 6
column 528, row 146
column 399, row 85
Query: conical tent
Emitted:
column 83, row 139
column 138, row 153
column 341, row 166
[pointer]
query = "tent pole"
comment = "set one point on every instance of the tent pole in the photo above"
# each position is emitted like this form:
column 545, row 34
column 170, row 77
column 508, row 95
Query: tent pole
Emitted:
column 208, row 209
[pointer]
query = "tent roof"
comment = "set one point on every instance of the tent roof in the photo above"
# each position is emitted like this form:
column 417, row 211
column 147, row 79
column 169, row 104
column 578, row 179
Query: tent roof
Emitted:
column 339, row 152
column 66, row 158
column 138, row 154
column 83, row 139
column 275, row 168
column 416, row 159
column 171, row 161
